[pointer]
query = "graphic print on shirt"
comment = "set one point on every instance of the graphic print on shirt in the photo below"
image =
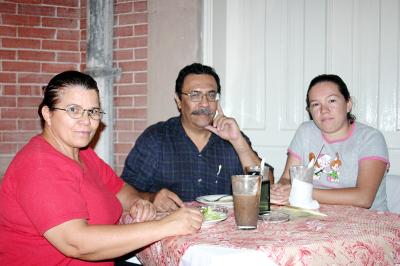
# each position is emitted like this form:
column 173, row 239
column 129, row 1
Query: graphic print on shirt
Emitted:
column 327, row 165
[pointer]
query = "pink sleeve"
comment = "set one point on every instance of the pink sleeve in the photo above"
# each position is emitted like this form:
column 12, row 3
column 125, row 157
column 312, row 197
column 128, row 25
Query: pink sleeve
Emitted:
column 291, row 152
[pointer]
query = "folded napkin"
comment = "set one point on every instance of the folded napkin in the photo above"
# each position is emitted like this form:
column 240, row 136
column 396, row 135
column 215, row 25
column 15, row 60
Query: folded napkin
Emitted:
column 301, row 195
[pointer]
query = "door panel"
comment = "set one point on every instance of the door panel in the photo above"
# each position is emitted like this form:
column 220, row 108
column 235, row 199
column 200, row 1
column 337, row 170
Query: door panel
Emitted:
column 267, row 51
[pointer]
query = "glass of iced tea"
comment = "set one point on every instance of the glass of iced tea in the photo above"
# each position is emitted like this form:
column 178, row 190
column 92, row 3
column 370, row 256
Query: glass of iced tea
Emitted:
column 246, row 199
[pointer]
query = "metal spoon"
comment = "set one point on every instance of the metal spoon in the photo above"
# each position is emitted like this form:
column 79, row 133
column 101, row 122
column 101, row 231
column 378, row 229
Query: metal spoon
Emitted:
column 217, row 199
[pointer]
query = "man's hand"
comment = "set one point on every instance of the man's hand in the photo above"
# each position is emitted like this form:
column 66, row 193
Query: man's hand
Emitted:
column 225, row 127
column 166, row 201
column 142, row 210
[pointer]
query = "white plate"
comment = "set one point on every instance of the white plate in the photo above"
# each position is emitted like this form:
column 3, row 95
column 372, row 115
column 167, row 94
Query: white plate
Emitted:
column 221, row 211
column 209, row 200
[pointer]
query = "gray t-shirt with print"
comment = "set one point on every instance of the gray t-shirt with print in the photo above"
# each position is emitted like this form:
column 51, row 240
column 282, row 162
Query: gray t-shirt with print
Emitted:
column 337, row 164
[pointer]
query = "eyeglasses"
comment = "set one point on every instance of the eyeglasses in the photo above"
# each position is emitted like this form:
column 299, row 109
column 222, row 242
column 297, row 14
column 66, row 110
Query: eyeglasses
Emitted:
column 197, row 96
column 76, row 112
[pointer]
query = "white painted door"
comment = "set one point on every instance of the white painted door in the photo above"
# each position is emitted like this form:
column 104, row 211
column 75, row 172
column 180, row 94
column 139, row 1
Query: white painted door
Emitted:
column 267, row 51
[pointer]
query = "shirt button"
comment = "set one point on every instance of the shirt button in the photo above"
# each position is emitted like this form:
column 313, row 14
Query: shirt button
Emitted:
column 199, row 155
column 199, row 180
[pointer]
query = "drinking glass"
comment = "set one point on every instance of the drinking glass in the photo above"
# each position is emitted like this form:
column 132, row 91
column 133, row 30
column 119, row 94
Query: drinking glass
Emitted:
column 246, row 199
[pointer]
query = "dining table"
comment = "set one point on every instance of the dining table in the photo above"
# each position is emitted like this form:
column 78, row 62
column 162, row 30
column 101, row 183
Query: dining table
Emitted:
column 334, row 235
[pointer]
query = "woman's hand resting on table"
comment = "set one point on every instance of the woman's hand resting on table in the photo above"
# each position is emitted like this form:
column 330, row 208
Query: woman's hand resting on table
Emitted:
column 183, row 221
column 280, row 194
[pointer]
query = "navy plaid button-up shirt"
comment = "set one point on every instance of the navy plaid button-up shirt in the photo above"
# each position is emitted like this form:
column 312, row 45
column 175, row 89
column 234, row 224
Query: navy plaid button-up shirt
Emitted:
column 165, row 157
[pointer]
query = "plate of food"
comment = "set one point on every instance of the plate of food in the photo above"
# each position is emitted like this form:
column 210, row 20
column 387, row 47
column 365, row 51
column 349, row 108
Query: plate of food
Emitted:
column 217, row 200
column 213, row 214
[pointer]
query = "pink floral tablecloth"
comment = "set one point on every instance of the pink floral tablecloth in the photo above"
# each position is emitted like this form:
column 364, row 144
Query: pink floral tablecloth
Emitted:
column 346, row 236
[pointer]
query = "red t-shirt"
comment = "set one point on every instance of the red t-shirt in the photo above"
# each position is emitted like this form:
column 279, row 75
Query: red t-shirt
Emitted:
column 43, row 188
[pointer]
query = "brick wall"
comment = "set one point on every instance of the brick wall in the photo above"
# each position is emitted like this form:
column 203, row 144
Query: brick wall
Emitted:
column 130, row 90
column 41, row 38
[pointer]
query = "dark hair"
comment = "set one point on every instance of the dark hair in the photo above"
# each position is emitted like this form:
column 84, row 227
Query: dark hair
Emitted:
column 51, row 92
column 342, row 89
column 198, row 69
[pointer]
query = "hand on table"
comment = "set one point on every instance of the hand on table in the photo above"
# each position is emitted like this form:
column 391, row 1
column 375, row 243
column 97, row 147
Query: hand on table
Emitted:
column 142, row 210
column 166, row 201
column 280, row 194
column 184, row 221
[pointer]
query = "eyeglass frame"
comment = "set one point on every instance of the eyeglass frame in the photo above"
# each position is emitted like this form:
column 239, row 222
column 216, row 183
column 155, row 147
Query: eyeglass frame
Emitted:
column 190, row 94
column 101, row 113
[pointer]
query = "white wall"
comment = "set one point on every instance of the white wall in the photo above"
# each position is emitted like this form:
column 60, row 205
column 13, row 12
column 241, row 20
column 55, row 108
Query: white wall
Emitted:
column 174, row 42
column 267, row 51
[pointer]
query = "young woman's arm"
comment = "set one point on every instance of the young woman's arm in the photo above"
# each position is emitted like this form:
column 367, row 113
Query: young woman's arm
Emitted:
column 369, row 178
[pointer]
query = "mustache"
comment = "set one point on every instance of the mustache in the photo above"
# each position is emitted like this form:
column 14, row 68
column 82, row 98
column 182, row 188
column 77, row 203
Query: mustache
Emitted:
column 203, row 111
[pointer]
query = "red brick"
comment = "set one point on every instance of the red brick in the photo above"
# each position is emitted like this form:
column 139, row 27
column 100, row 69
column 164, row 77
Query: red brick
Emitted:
column 8, row 77
column 21, row 66
column 132, row 42
column 8, row 148
column 7, row 101
column 31, row 78
column 133, row 66
column 29, row 101
column 123, row 31
column 140, row 125
column 28, row 124
column 140, row 6
column 36, row 33
column 19, row 136
column 82, row 47
column 18, row 113
column 20, row 20
column 141, row 53
column 57, row 68
column 131, row 113
column 66, row 3
column 8, row 31
column 10, row 90
column 68, row 57
column 33, row 90
column 123, row 54
column 69, row 35
column 60, row 23
column 61, row 45
column 128, row 137
column 122, row 148
column 140, row 101
column 123, row 101
column 36, row 55
column 131, row 90
column 126, row 78
column 26, row 1
column 8, row 124
column 36, row 10
column 7, row 54
column 121, row 8
column 141, row 77
column 8, row 8
column 68, row 12
column 21, row 43
column 122, row 124
column 141, row 30
column 130, row 19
